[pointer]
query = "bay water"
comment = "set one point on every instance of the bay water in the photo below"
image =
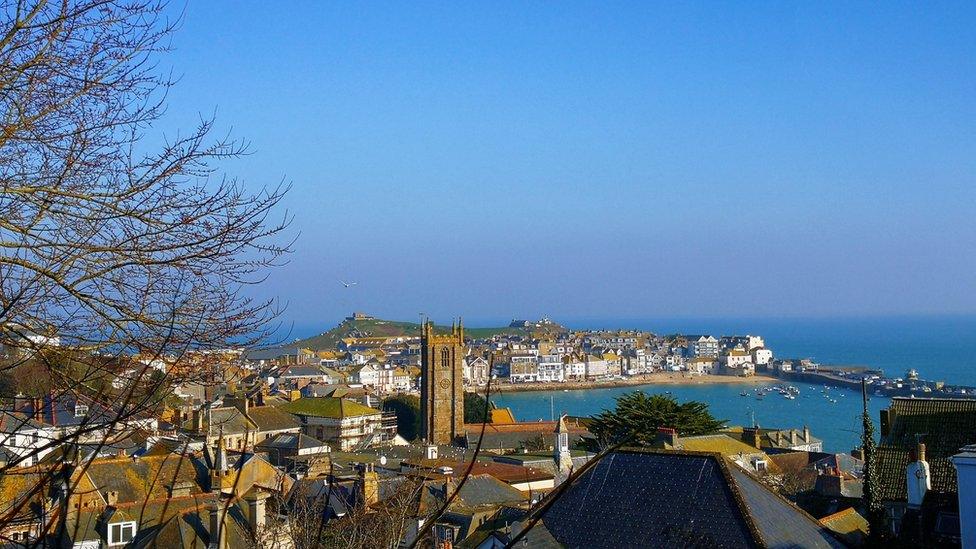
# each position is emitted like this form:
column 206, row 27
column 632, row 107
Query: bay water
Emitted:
column 940, row 348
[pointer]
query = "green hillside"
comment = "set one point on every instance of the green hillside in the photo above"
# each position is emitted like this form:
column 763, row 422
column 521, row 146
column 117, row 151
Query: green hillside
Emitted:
column 389, row 328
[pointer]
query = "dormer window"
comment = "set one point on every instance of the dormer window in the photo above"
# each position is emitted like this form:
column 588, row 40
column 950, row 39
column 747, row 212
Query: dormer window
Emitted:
column 81, row 410
column 121, row 533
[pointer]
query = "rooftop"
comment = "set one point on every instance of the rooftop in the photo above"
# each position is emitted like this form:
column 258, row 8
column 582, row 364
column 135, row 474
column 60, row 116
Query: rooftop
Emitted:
column 329, row 407
column 695, row 497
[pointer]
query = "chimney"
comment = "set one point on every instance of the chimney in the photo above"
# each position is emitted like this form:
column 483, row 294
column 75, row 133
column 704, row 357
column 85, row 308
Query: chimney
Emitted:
column 752, row 437
column 919, row 479
column 197, row 420
column 449, row 488
column 885, row 422
column 111, row 497
column 965, row 464
column 368, row 485
column 667, row 436
column 792, row 437
column 218, row 533
column 831, row 483
column 806, row 434
column 256, row 510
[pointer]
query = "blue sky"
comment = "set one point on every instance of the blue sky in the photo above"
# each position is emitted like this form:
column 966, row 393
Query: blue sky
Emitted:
column 602, row 160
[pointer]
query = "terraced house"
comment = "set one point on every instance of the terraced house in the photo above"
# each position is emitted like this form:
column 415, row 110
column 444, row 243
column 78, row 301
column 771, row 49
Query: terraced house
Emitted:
column 916, row 478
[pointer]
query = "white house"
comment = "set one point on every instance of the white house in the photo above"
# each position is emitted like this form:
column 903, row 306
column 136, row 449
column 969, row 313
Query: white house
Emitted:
column 550, row 368
column 523, row 368
column 573, row 367
column 702, row 345
column 702, row 365
column 475, row 370
column 368, row 374
column 596, row 367
column 762, row 356
column 23, row 437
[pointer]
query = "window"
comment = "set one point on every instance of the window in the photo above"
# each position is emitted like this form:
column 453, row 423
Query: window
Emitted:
column 120, row 533
column 81, row 410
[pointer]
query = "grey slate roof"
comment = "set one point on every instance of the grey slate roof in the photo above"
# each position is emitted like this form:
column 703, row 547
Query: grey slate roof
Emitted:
column 945, row 425
column 695, row 499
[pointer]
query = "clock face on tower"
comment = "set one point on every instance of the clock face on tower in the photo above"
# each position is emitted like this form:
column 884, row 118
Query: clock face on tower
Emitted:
column 445, row 383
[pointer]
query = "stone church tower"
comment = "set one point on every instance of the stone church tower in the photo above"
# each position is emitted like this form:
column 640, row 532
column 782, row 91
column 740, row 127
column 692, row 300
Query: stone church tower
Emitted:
column 441, row 390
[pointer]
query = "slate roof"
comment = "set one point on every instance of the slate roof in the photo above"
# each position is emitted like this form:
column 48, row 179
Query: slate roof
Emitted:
column 143, row 479
column 506, row 472
column 695, row 499
column 515, row 435
column 270, row 418
column 289, row 441
column 228, row 418
column 945, row 425
column 329, row 407
column 478, row 491
column 11, row 422
column 302, row 371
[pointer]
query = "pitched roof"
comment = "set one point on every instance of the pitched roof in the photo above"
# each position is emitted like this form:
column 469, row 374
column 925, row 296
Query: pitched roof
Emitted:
column 722, row 444
column 695, row 498
column 329, row 407
column 849, row 525
column 502, row 415
column 478, row 491
column 227, row 418
column 290, row 441
column 11, row 422
column 944, row 424
column 270, row 418
column 143, row 479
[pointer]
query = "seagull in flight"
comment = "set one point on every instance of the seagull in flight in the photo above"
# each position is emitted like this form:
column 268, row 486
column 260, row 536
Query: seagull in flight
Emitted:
column 347, row 284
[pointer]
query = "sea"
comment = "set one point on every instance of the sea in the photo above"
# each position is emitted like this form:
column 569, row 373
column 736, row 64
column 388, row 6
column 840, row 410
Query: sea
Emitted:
column 938, row 347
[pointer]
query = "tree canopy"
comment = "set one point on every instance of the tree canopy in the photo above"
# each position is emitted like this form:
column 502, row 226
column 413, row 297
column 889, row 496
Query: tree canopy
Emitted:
column 407, row 408
column 474, row 408
column 638, row 416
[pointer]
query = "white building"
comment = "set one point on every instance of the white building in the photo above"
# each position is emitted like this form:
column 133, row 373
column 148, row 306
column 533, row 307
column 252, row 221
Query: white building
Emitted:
column 702, row 345
column 474, row 371
column 22, row 437
column 965, row 463
column 762, row 356
column 550, row 368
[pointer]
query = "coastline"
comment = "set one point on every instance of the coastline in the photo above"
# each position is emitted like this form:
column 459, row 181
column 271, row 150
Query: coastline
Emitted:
column 675, row 378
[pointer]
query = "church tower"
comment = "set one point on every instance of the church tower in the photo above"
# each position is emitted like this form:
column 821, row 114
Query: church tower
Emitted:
column 441, row 390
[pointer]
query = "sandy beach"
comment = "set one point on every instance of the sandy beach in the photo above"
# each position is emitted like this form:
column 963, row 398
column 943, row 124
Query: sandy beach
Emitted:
column 675, row 378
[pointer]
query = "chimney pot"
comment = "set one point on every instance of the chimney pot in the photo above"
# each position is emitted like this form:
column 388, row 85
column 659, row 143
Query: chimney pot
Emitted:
column 257, row 510
column 218, row 531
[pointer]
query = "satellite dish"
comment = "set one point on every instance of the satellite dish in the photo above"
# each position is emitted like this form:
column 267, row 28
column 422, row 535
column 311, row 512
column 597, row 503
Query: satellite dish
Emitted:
column 382, row 460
